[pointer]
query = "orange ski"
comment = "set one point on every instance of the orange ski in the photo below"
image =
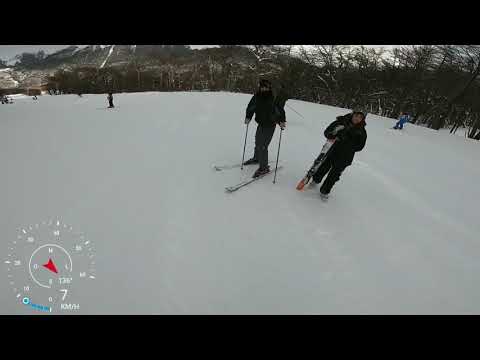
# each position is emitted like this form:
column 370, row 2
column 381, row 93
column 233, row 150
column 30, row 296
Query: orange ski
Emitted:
column 318, row 161
column 302, row 184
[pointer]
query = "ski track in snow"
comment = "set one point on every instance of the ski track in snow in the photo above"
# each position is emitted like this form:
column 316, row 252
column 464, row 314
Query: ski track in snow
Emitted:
column 403, row 194
column 398, row 234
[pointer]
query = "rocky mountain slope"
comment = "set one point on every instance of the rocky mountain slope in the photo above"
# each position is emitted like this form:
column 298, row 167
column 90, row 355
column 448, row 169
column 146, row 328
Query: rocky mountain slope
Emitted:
column 31, row 71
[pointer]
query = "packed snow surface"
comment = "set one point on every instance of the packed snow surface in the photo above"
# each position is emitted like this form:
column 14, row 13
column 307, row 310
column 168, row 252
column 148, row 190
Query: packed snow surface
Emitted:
column 399, row 234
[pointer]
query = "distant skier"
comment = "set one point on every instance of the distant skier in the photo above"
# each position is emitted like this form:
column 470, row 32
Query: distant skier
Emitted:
column 268, row 113
column 404, row 118
column 350, row 136
column 110, row 100
column 35, row 97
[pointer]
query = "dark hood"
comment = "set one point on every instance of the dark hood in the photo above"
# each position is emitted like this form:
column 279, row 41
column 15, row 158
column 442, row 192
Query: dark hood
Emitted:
column 348, row 118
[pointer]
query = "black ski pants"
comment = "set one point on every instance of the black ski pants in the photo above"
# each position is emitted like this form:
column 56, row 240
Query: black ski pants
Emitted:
column 263, row 137
column 334, row 170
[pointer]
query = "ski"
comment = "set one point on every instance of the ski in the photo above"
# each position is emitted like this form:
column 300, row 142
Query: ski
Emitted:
column 233, row 188
column 228, row 167
column 316, row 164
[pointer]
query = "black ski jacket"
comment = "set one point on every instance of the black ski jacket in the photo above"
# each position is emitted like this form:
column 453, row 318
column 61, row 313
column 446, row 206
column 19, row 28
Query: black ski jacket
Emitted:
column 268, row 111
column 350, row 139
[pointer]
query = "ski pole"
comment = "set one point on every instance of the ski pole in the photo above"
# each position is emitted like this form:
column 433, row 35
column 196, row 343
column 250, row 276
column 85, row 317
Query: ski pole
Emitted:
column 244, row 146
column 278, row 154
column 295, row 111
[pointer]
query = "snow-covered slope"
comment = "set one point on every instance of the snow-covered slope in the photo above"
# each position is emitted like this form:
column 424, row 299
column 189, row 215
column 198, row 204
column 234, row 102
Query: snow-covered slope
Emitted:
column 399, row 234
column 108, row 56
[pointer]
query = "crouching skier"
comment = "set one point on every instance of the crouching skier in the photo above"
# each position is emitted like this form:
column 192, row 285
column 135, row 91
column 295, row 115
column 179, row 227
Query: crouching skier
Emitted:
column 268, row 113
column 403, row 119
column 350, row 136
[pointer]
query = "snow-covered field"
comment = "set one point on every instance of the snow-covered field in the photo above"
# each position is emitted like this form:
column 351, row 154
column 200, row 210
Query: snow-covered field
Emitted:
column 19, row 97
column 399, row 234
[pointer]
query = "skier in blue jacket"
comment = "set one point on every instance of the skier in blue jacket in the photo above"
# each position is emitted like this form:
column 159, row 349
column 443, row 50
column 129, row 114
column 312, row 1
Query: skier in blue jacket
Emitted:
column 404, row 118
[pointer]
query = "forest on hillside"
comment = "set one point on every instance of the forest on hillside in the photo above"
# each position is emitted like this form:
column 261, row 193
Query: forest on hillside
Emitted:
column 436, row 84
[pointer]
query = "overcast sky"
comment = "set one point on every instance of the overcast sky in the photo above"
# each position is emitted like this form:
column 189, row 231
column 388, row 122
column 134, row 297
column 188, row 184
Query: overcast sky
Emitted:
column 7, row 52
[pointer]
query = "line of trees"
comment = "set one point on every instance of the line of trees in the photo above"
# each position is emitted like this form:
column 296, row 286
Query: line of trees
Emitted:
column 437, row 84
column 30, row 60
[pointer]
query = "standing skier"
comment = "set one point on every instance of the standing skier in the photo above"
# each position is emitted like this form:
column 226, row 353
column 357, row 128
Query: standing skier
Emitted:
column 110, row 100
column 350, row 136
column 404, row 118
column 268, row 113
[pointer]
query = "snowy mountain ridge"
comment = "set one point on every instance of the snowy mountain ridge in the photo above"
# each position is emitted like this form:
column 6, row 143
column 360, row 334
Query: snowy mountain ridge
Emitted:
column 150, row 57
column 97, row 56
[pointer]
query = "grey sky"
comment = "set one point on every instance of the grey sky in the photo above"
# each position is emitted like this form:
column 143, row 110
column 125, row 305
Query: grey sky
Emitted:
column 7, row 52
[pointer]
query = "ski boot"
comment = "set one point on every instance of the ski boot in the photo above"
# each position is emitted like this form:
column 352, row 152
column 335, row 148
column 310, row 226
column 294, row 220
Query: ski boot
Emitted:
column 323, row 196
column 251, row 161
column 261, row 171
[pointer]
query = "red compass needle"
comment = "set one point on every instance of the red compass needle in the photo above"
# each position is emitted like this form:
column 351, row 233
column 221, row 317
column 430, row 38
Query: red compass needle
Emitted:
column 51, row 266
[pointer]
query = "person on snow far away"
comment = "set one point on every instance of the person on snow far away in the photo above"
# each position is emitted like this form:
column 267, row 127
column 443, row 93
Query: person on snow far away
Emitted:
column 350, row 136
column 268, row 113
column 404, row 118
column 110, row 100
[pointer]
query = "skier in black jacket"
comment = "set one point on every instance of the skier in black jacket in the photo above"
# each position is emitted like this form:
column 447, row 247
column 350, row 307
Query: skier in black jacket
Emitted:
column 110, row 100
column 350, row 136
column 268, row 113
